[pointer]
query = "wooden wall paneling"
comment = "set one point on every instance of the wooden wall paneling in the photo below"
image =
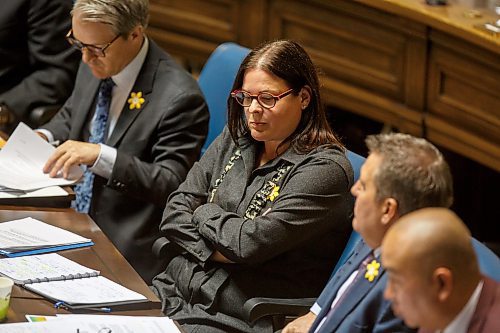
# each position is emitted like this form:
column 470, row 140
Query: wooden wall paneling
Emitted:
column 361, row 58
column 344, row 46
column 192, row 29
column 372, row 106
column 391, row 61
column 464, row 98
column 253, row 20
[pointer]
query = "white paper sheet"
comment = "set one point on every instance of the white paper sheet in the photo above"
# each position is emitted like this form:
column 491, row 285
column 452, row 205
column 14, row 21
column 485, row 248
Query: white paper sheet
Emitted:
column 95, row 324
column 52, row 266
column 29, row 233
column 94, row 290
column 51, row 191
column 22, row 160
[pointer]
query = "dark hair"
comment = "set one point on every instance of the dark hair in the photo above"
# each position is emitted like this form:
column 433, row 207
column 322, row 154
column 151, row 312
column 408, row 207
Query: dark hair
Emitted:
column 412, row 171
column 290, row 62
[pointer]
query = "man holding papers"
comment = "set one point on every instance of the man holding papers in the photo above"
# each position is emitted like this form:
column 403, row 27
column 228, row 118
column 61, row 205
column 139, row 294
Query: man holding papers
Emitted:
column 135, row 119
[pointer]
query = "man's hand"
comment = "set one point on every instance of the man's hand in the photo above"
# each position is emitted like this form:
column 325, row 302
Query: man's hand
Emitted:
column 71, row 153
column 301, row 324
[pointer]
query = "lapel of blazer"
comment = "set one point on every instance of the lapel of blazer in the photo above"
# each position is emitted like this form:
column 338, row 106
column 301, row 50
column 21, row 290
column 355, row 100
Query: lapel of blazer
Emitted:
column 87, row 98
column 354, row 296
column 339, row 278
column 144, row 84
column 484, row 304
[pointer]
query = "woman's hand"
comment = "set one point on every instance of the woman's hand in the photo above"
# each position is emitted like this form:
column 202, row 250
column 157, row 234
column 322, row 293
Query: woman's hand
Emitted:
column 218, row 257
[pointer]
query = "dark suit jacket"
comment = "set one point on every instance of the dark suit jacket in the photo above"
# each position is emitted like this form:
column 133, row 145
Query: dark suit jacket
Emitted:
column 364, row 308
column 37, row 64
column 486, row 318
column 156, row 146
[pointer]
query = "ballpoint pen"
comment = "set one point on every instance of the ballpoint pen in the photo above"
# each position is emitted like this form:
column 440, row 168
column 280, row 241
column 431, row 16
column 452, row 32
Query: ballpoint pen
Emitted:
column 103, row 309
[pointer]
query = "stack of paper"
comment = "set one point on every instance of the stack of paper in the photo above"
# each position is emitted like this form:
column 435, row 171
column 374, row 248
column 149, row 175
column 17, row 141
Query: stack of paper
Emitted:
column 22, row 160
column 30, row 236
column 51, row 191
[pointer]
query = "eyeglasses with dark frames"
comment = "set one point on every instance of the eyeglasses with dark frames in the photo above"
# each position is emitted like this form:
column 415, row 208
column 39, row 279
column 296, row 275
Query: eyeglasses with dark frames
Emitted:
column 265, row 99
column 98, row 51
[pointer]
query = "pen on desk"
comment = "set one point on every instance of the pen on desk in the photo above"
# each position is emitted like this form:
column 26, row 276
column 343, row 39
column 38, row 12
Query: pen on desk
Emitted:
column 60, row 305
column 107, row 310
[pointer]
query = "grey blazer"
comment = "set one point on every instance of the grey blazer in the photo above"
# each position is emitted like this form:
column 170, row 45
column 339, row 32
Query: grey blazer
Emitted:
column 287, row 250
column 156, row 146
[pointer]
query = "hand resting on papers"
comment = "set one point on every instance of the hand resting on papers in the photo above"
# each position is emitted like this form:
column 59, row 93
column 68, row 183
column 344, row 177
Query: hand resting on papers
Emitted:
column 71, row 153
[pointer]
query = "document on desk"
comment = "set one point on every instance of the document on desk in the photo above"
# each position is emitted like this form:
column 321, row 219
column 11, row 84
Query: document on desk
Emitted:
column 51, row 191
column 30, row 236
column 22, row 160
column 43, row 268
column 92, row 292
column 95, row 324
column 67, row 283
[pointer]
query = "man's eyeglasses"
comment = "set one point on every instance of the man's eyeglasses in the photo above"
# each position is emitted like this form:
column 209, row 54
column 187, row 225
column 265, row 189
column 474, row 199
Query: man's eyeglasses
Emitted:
column 95, row 50
column 265, row 99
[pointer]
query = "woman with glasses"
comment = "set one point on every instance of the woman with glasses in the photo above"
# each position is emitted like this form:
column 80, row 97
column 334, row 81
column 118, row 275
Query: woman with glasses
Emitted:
column 265, row 212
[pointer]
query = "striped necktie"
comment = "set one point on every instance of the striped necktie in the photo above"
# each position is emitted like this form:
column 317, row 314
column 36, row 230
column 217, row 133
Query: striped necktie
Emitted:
column 83, row 189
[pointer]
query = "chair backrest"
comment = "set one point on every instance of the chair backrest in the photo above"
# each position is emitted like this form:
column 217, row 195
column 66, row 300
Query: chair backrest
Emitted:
column 356, row 162
column 216, row 79
column 488, row 261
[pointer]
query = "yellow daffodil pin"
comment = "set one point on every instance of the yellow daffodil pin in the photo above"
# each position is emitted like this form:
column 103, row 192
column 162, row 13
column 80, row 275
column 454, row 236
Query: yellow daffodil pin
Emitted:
column 274, row 194
column 135, row 101
column 372, row 270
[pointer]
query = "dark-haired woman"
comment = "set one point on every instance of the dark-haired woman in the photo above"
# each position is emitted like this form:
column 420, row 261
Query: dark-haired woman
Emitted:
column 266, row 211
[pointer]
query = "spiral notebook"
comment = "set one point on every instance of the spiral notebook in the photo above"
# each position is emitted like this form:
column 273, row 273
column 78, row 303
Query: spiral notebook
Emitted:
column 67, row 282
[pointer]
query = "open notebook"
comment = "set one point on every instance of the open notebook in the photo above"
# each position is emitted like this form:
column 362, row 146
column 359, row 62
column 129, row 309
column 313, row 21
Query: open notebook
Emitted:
column 67, row 282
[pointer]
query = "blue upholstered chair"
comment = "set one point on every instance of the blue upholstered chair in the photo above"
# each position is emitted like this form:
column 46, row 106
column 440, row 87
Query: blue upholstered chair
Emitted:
column 489, row 263
column 216, row 80
column 356, row 162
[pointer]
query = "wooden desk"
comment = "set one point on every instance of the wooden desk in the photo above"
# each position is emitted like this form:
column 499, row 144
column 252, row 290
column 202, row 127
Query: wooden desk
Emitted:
column 103, row 256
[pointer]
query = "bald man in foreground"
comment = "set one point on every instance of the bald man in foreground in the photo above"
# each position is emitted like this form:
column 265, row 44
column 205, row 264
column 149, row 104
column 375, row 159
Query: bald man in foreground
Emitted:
column 434, row 281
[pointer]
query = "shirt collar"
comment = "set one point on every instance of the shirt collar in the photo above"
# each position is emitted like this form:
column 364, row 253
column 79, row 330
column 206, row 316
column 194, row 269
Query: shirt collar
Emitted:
column 129, row 74
column 461, row 322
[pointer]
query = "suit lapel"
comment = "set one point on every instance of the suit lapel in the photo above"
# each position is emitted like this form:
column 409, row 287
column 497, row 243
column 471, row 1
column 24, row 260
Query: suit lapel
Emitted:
column 85, row 105
column 355, row 293
column 144, row 84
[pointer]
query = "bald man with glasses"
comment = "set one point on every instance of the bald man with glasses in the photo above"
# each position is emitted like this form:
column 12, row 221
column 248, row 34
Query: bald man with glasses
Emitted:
column 135, row 120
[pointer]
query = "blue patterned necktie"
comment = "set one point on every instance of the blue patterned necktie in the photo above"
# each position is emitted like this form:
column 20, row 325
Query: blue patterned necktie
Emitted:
column 83, row 189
